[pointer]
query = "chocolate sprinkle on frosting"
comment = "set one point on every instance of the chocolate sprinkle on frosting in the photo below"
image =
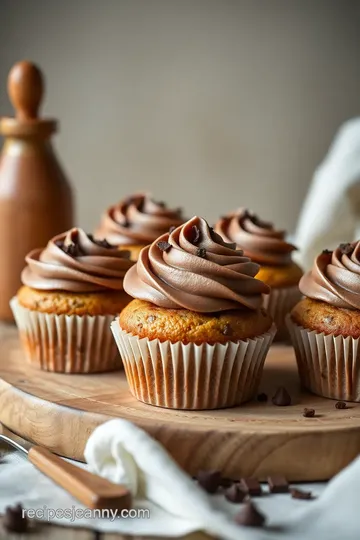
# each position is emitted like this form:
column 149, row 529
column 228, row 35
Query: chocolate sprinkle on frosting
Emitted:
column 250, row 516
column 164, row 246
column 235, row 494
column 301, row 494
column 102, row 243
column 209, row 480
column 346, row 249
column 14, row 521
column 326, row 252
column 201, row 252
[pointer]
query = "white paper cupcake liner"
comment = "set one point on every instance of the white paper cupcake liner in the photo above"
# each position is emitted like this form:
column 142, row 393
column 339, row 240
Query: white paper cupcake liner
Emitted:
column 328, row 365
column 67, row 343
column 179, row 376
column 278, row 304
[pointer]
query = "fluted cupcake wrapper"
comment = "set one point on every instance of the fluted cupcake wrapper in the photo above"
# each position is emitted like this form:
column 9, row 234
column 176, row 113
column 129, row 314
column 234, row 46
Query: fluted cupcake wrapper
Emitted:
column 278, row 304
column 328, row 365
column 66, row 343
column 190, row 376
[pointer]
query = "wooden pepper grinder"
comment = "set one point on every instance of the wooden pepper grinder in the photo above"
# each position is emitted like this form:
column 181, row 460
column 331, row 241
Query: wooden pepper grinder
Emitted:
column 35, row 198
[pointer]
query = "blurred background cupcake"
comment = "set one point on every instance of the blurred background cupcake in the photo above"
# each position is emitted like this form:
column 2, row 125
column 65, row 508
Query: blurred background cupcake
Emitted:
column 71, row 292
column 196, row 335
column 137, row 221
column 325, row 326
column 268, row 247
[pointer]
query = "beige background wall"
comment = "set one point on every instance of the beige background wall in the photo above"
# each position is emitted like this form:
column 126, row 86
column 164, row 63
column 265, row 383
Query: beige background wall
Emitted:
column 210, row 104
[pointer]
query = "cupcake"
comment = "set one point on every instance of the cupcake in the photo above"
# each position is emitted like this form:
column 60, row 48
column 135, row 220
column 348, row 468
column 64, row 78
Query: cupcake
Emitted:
column 136, row 222
column 267, row 246
column 71, row 292
column 325, row 325
column 195, row 336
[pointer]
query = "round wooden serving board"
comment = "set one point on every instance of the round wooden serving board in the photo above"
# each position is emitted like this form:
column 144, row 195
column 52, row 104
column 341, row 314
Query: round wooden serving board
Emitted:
column 61, row 411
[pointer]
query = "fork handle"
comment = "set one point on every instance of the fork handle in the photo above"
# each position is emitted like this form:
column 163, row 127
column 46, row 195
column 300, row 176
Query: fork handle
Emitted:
column 91, row 490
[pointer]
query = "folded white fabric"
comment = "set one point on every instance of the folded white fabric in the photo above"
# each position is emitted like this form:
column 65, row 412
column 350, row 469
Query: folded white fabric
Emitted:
column 331, row 212
column 124, row 453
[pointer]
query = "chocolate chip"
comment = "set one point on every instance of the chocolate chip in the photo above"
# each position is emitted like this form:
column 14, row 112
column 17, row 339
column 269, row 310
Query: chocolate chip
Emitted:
column 301, row 494
column 251, row 486
column 278, row 484
column 281, row 397
column 309, row 413
column 235, row 494
column 262, row 397
column 201, row 252
column 163, row 245
column 346, row 249
column 227, row 330
column 226, row 482
column 340, row 405
column 172, row 229
column 72, row 249
column 14, row 520
column 196, row 234
column 102, row 243
column 250, row 516
column 326, row 252
column 209, row 480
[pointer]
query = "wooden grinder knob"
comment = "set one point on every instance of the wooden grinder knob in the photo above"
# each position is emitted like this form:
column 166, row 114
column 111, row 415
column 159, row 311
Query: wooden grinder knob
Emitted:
column 25, row 88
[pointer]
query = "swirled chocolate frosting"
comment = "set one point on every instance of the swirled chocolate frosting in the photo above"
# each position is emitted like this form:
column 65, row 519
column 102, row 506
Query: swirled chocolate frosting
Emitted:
column 259, row 240
column 75, row 262
column 335, row 277
column 193, row 268
column 137, row 220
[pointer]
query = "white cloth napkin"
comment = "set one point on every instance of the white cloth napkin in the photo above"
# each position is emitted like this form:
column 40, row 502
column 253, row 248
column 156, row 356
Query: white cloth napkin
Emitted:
column 124, row 453
column 331, row 212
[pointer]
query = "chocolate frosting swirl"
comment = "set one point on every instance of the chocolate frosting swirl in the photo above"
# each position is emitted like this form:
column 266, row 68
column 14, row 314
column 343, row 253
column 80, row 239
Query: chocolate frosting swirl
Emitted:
column 193, row 268
column 137, row 220
column 259, row 240
column 335, row 277
column 75, row 262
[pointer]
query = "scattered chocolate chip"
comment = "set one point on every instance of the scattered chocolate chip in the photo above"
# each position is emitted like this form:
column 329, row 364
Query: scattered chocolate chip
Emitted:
column 262, row 397
column 151, row 318
column 172, row 229
column 102, row 243
column 209, row 480
column 346, row 249
column 340, row 405
column 309, row 413
column 201, row 252
column 250, row 516
column 196, row 234
column 227, row 330
column 251, row 486
column 326, row 252
column 235, row 494
column 14, row 520
column 301, row 494
column 278, row 484
column 281, row 397
column 163, row 245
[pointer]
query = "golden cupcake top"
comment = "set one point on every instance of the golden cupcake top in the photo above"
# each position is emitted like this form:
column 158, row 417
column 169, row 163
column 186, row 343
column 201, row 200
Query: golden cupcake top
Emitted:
column 138, row 219
column 258, row 239
column 335, row 277
column 194, row 268
column 75, row 262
